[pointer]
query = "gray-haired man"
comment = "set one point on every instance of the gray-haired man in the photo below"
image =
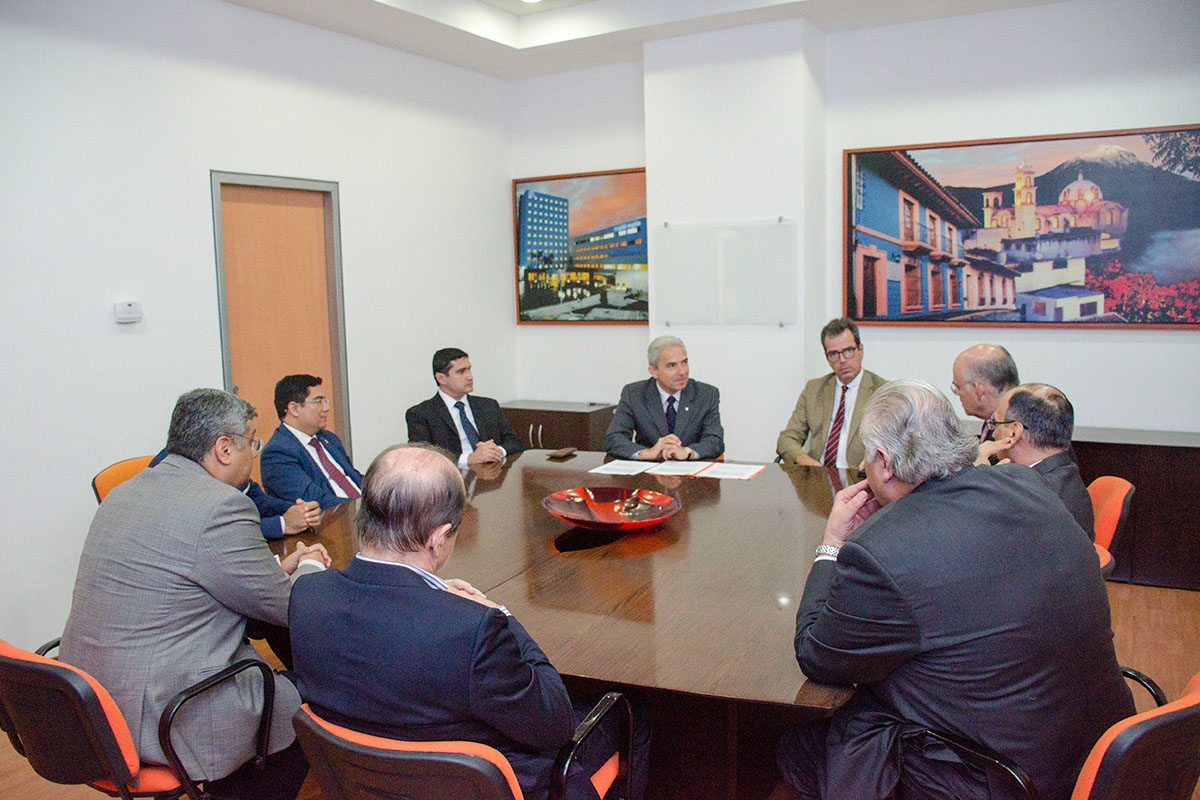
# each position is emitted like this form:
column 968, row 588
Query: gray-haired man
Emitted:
column 172, row 567
column 668, row 416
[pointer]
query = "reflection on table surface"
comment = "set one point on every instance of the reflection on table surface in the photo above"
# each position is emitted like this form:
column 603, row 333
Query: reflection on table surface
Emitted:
column 704, row 602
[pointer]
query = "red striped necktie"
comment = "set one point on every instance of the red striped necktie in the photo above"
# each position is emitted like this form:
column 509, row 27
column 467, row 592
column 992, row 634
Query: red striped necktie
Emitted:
column 835, row 432
column 335, row 474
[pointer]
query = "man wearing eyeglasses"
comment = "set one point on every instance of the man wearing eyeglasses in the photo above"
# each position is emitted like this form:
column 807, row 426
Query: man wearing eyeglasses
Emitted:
column 831, row 405
column 1032, row 425
column 172, row 570
column 303, row 459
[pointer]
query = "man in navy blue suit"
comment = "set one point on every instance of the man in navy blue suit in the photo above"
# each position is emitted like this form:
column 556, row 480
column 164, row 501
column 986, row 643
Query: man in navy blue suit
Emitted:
column 435, row 659
column 303, row 459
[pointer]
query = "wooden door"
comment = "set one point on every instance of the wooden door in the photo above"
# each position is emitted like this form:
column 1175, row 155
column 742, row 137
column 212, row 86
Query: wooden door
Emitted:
column 281, row 298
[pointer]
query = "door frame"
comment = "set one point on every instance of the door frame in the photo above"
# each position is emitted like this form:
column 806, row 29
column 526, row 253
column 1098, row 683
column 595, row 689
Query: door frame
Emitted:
column 333, row 267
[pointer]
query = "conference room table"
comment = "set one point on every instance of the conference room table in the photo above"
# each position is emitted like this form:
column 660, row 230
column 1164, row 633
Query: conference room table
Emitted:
column 698, row 610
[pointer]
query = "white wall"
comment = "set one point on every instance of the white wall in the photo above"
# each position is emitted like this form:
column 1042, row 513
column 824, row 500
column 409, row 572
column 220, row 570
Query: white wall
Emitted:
column 734, row 133
column 113, row 115
column 1081, row 66
column 584, row 121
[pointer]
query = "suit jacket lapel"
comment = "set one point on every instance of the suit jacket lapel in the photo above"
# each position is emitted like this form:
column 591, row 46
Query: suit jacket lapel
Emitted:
column 683, row 410
column 442, row 414
column 860, row 402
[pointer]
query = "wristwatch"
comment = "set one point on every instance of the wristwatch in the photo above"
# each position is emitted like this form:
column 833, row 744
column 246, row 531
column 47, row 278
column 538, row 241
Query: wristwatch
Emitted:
column 828, row 550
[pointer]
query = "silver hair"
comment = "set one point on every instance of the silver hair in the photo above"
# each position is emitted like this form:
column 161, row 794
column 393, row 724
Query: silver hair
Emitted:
column 202, row 416
column 916, row 426
column 658, row 345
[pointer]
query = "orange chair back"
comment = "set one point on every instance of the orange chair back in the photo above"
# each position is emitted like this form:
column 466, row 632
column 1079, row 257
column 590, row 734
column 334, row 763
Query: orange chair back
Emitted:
column 69, row 727
column 350, row 765
column 116, row 474
column 1111, row 497
column 1150, row 756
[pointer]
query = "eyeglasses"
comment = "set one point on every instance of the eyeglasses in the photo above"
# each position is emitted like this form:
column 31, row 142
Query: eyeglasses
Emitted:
column 316, row 401
column 845, row 354
column 996, row 423
column 255, row 443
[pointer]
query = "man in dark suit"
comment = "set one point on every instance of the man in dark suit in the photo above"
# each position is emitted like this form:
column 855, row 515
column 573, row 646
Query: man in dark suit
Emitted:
column 671, row 416
column 303, row 459
column 433, row 659
column 172, row 567
column 1034, row 423
column 960, row 598
column 472, row 428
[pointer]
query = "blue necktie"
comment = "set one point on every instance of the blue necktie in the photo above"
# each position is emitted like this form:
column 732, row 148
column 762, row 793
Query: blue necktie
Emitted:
column 671, row 414
column 468, row 428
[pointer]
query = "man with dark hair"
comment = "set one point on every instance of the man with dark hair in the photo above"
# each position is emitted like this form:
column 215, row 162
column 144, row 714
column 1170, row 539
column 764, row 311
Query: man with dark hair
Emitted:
column 670, row 416
column 472, row 428
column 303, row 459
column 1033, row 426
column 173, row 566
column 831, row 404
column 434, row 659
column 970, row 605
column 982, row 373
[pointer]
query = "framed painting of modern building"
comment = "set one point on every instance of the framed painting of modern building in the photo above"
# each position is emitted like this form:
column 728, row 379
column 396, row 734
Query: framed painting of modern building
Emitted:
column 580, row 246
column 1089, row 230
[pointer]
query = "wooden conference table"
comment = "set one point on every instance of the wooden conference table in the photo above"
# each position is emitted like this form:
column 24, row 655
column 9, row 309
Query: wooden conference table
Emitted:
column 703, row 604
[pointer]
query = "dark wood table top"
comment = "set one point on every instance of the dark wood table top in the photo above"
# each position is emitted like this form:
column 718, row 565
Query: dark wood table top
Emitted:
column 703, row 603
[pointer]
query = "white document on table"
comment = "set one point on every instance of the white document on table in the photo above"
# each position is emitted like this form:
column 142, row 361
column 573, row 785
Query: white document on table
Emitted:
column 679, row 468
column 742, row 472
column 622, row 468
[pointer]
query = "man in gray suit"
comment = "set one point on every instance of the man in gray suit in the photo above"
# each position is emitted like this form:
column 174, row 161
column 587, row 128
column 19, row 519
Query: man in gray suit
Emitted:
column 671, row 416
column 1033, row 426
column 173, row 565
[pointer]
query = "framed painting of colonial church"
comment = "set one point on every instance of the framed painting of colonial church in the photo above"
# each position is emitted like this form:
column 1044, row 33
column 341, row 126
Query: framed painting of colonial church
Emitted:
column 1087, row 230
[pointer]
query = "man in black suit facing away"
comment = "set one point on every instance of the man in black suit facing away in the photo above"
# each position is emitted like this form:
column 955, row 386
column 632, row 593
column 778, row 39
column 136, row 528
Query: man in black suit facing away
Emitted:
column 1034, row 423
column 473, row 429
column 957, row 597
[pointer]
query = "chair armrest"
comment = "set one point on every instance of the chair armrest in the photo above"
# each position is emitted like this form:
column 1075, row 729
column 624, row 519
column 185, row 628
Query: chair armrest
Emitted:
column 264, row 724
column 982, row 757
column 590, row 723
column 1160, row 697
column 48, row 646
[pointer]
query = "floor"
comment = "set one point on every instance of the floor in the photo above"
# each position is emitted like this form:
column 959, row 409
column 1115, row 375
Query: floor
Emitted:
column 1156, row 632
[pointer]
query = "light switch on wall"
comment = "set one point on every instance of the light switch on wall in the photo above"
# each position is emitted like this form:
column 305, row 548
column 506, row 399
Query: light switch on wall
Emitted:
column 127, row 311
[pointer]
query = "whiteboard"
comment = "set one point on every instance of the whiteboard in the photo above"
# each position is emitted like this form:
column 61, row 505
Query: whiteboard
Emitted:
column 725, row 273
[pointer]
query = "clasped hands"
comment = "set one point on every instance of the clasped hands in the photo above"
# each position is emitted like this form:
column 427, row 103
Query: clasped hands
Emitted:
column 304, row 552
column 668, row 448
column 485, row 452
column 301, row 516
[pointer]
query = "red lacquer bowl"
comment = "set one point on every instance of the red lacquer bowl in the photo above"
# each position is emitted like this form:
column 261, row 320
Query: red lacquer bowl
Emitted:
column 611, row 508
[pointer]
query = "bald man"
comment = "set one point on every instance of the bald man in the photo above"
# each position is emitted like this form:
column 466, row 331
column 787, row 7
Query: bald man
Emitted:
column 981, row 374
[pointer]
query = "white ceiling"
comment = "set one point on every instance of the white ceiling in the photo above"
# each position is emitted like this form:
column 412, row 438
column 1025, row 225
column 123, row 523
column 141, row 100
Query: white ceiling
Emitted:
column 509, row 39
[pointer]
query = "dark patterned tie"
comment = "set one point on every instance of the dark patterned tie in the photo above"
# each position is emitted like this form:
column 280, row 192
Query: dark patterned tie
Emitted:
column 671, row 414
column 335, row 474
column 835, row 432
column 468, row 428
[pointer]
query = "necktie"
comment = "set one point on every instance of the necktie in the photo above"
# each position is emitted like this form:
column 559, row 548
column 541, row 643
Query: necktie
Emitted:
column 985, row 432
column 335, row 474
column 671, row 414
column 468, row 428
column 835, row 432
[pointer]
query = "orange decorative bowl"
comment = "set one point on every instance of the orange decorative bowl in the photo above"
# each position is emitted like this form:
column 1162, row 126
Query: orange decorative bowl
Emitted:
column 611, row 508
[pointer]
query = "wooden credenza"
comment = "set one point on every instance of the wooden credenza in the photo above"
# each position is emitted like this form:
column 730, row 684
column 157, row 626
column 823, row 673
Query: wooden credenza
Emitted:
column 549, row 425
